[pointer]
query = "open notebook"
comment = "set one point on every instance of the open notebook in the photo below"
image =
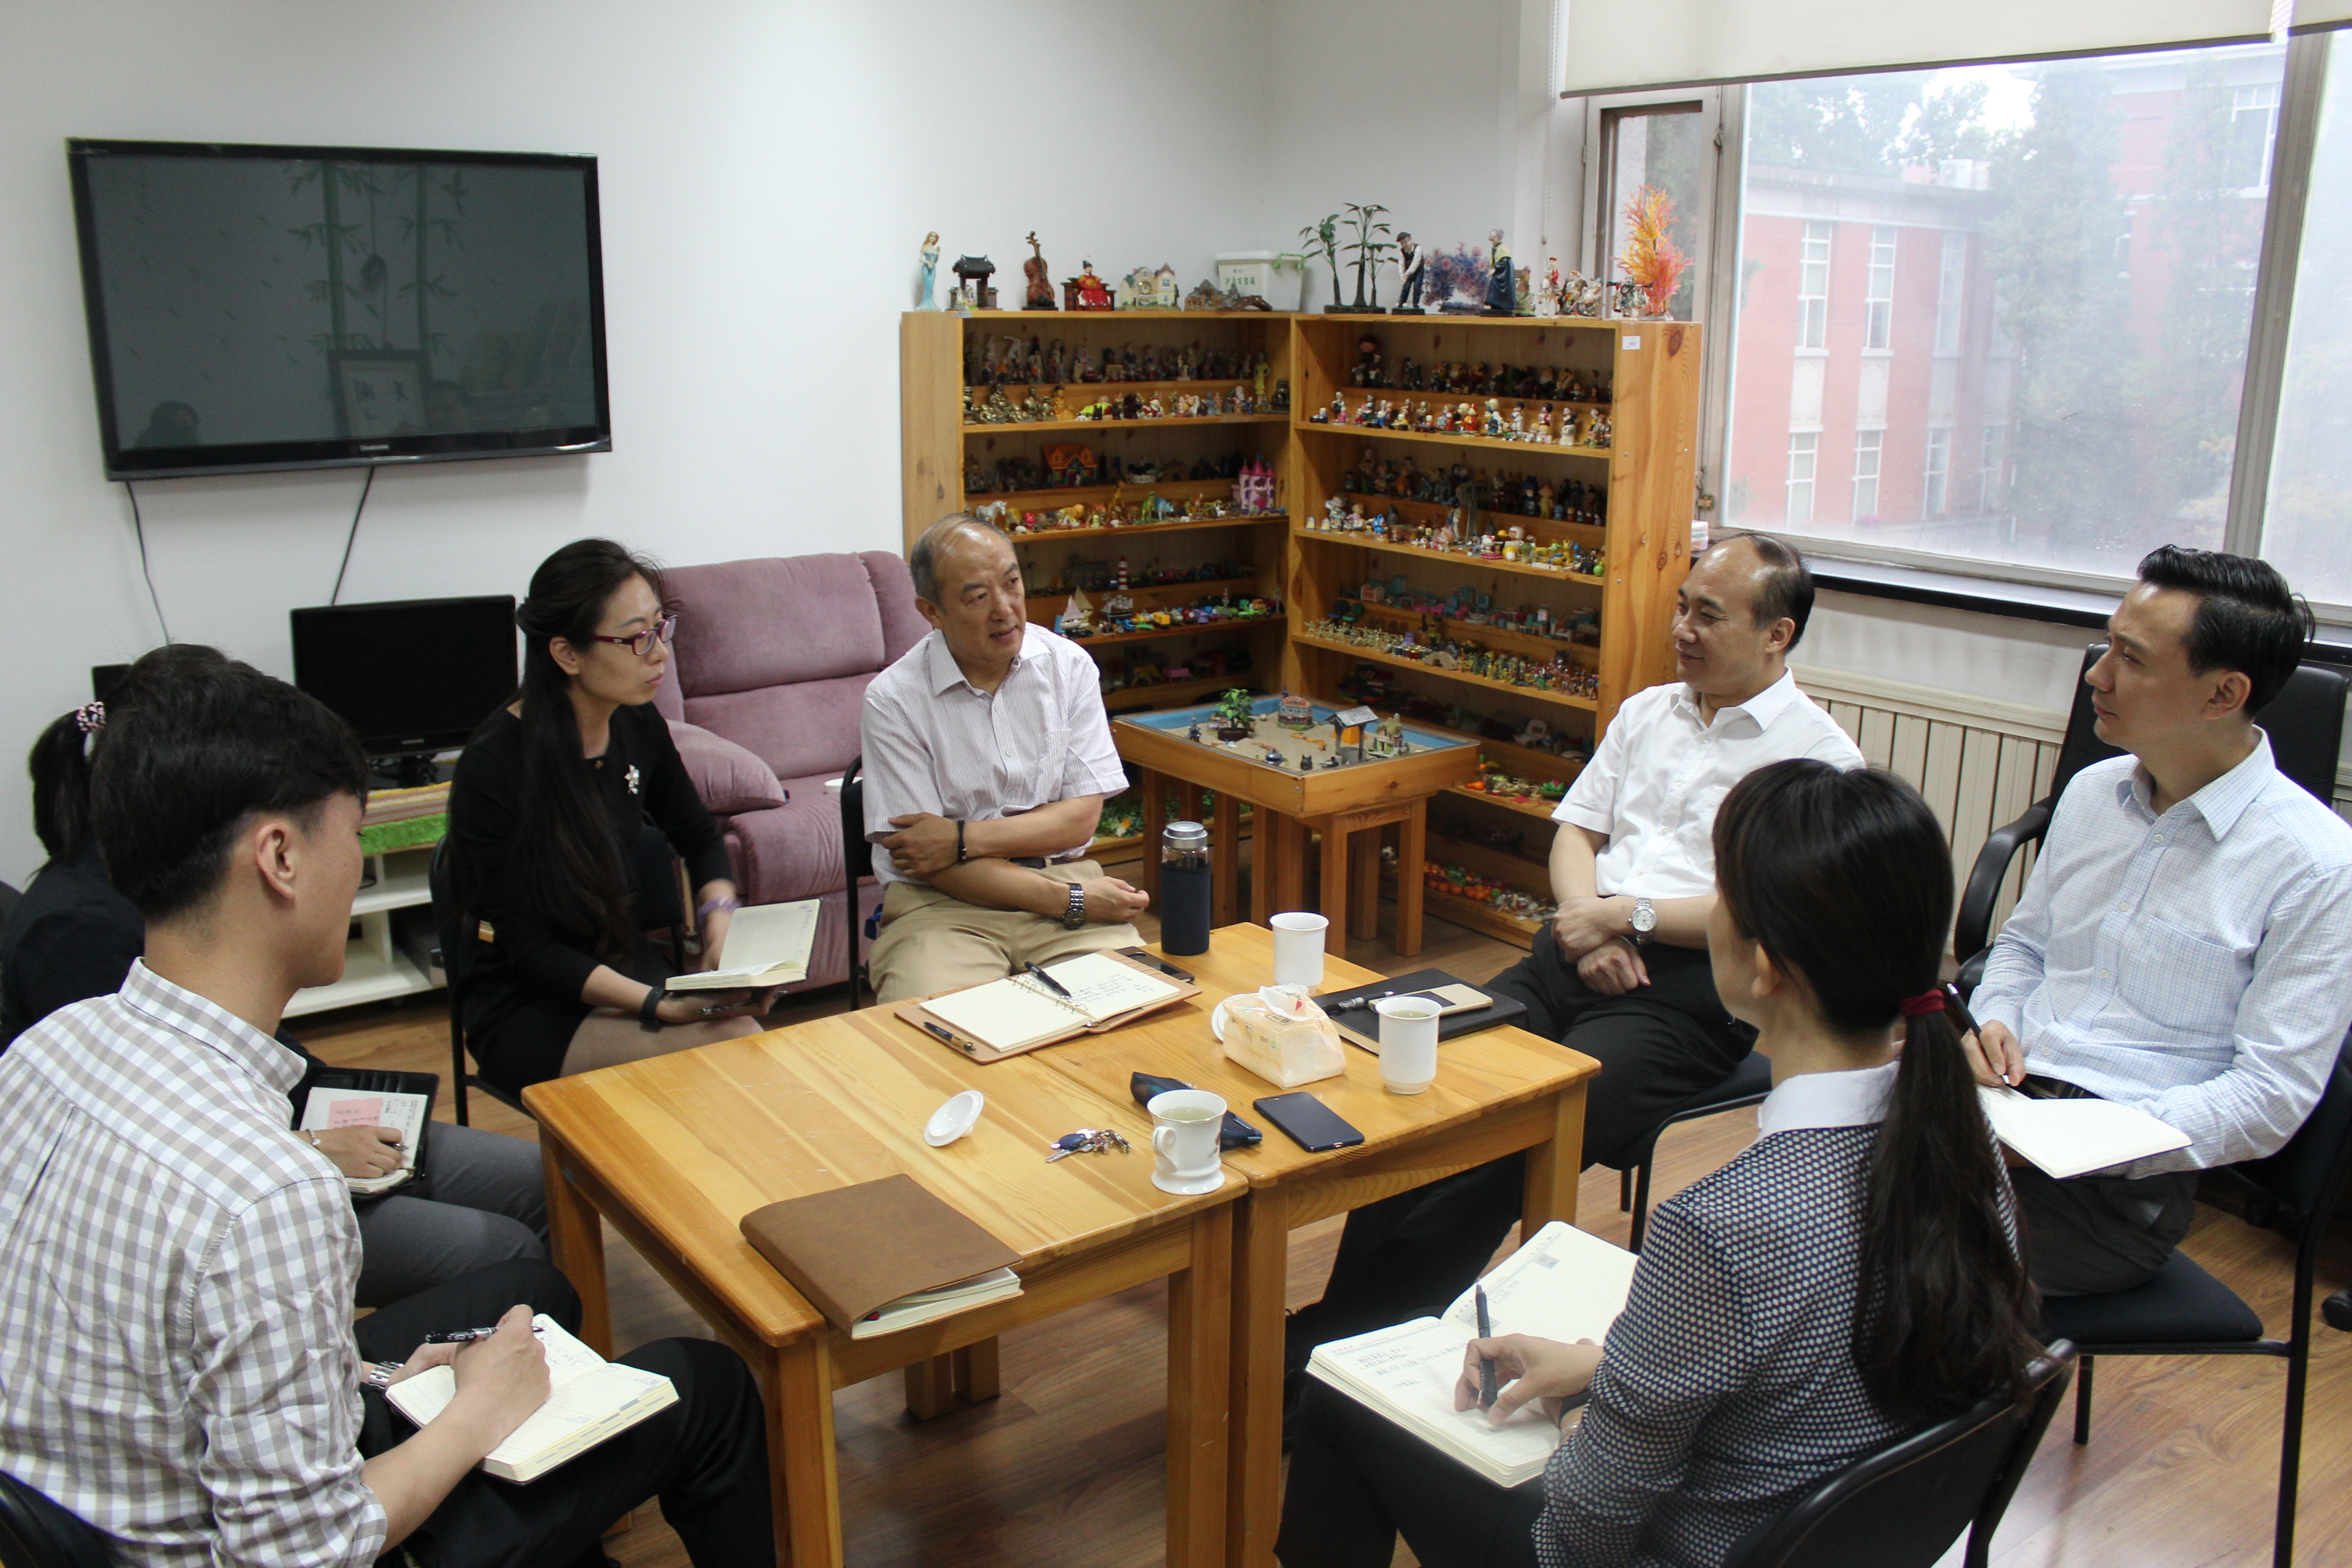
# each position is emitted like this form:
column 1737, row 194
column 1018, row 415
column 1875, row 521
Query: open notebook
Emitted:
column 767, row 944
column 591, row 1399
column 349, row 1097
column 1021, row 1013
column 1565, row 1285
column 2068, row 1136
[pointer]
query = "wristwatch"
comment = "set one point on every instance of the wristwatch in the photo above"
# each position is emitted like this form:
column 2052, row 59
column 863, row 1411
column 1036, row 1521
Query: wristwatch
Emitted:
column 1076, row 915
column 378, row 1374
column 1645, row 921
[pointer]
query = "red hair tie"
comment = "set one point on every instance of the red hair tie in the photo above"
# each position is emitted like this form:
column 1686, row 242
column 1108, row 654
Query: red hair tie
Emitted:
column 1925, row 1003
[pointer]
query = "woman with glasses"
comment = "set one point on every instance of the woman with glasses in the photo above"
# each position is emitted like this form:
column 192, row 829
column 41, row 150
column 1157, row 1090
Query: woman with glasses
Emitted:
column 546, row 809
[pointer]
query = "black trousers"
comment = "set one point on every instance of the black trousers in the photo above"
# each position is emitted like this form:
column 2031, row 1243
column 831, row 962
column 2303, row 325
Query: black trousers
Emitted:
column 705, row 1456
column 1358, row 1481
column 1410, row 1256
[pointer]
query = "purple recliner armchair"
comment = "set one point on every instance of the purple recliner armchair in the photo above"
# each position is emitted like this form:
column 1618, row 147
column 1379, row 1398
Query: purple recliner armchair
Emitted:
column 769, row 677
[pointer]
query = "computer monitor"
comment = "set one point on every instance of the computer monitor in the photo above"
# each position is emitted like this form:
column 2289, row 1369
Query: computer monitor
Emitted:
column 412, row 676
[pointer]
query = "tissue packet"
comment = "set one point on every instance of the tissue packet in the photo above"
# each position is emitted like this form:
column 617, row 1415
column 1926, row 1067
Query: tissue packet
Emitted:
column 1278, row 1034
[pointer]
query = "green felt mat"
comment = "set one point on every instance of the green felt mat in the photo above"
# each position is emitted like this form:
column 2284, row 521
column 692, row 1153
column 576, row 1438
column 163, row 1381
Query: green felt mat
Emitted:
column 416, row 833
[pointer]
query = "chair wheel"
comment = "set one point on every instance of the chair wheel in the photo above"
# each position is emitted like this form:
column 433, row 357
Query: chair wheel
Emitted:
column 2337, row 1311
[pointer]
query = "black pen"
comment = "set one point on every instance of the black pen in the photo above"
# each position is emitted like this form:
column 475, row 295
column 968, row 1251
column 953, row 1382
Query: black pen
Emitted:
column 467, row 1336
column 1487, row 1392
column 963, row 1046
column 1059, row 989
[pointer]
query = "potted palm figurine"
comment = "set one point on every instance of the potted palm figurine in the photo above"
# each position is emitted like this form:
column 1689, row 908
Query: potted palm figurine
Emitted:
column 1235, row 716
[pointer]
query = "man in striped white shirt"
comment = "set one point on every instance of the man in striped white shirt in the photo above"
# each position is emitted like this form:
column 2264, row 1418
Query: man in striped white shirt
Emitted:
column 2182, row 945
column 987, row 756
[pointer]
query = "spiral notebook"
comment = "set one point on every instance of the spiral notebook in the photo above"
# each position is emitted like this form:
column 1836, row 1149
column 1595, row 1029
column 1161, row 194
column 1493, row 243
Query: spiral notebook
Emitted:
column 1020, row 1013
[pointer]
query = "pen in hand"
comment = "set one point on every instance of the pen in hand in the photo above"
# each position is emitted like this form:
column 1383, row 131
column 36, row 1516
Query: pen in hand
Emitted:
column 467, row 1336
column 1488, row 1391
column 1059, row 989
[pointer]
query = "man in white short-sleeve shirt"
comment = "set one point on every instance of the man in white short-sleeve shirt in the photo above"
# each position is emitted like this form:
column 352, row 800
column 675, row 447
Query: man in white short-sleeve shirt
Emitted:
column 1622, row 972
column 987, row 756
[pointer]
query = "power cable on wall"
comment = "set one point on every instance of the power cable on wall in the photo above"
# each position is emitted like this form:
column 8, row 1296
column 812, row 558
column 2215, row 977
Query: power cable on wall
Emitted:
column 139, row 529
column 352, row 536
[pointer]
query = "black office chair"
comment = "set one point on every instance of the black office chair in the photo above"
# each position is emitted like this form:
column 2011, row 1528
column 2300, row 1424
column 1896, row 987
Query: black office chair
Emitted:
column 9, row 897
column 1904, row 1505
column 2186, row 1311
column 1749, row 1083
column 856, row 866
column 661, row 907
column 2306, row 725
column 36, row 1532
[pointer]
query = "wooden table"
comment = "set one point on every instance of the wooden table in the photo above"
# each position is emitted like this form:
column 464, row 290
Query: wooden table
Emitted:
column 1348, row 806
column 674, row 1150
column 1498, row 1091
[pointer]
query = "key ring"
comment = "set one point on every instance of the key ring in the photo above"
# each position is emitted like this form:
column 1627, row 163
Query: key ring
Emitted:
column 1087, row 1140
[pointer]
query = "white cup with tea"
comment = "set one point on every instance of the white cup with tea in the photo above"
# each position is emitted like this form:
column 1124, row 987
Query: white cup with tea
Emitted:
column 1184, row 1126
column 1408, row 1043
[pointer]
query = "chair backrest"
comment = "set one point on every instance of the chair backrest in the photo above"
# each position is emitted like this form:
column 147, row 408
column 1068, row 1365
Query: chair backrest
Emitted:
column 2304, row 722
column 453, row 951
column 857, row 856
column 36, row 1532
column 1901, row 1506
column 2081, row 746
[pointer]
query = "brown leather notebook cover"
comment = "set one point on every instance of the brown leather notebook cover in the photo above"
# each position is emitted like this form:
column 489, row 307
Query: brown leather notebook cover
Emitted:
column 923, row 1018
column 855, row 1249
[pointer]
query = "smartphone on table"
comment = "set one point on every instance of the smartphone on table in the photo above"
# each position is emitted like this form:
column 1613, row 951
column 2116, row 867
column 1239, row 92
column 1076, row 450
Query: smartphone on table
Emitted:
column 1312, row 1125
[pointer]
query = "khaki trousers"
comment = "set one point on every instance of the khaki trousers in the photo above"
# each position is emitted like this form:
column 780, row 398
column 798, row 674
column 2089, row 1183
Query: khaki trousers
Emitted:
column 931, row 943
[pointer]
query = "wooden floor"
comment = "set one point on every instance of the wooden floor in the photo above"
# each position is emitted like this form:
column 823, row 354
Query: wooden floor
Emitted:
column 1065, row 1467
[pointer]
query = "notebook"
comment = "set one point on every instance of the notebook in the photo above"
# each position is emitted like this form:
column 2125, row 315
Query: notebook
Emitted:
column 1565, row 1285
column 591, row 1399
column 870, row 1250
column 1362, row 1025
column 1020, row 1013
column 2068, row 1136
column 767, row 944
column 348, row 1097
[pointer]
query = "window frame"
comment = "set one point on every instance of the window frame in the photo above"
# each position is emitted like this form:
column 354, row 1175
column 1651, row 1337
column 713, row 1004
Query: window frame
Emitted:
column 1878, row 309
column 1813, row 309
column 1876, row 450
column 1811, row 481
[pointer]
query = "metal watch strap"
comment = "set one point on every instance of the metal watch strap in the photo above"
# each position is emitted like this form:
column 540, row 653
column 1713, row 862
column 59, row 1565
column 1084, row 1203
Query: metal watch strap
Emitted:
column 378, row 1374
column 1076, row 915
column 1642, row 931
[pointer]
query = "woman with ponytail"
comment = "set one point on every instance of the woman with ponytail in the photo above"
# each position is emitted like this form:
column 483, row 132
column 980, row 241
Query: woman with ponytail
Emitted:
column 545, row 811
column 1850, row 1276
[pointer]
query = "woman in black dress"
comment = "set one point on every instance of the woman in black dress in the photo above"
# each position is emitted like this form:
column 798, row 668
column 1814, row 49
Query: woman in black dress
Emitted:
column 1850, row 1277
column 546, row 808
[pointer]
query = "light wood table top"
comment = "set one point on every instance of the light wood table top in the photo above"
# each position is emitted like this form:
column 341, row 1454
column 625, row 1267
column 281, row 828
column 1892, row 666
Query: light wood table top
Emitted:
column 1477, row 1074
column 694, row 1141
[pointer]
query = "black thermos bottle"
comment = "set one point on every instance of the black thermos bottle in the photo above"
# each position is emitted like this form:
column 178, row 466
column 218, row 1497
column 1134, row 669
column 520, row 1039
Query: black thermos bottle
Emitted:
column 1184, row 889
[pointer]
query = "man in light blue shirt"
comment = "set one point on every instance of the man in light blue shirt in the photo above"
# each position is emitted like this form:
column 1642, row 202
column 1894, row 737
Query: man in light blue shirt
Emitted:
column 2182, row 945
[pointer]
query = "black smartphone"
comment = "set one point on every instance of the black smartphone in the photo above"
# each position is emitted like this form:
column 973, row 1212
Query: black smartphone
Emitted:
column 1312, row 1125
column 1235, row 1133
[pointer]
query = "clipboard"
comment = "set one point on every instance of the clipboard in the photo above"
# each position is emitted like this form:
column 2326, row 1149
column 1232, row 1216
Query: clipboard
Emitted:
column 938, row 1029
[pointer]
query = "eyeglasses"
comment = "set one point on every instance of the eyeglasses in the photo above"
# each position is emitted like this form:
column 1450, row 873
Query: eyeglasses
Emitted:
column 642, row 643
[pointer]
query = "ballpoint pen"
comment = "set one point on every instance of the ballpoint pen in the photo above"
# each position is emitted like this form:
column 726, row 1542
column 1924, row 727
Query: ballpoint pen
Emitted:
column 1059, row 989
column 1488, row 1391
column 966, row 1047
column 467, row 1336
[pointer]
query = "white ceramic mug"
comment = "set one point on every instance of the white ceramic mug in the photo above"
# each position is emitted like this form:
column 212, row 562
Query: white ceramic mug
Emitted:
column 1408, row 1043
column 1184, row 1125
column 1298, row 950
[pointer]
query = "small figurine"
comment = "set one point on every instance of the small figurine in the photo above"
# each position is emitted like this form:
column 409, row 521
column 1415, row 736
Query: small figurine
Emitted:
column 1411, row 265
column 1547, row 295
column 1087, row 292
column 1502, row 297
column 1041, row 290
column 974, row 272
column 930, row 263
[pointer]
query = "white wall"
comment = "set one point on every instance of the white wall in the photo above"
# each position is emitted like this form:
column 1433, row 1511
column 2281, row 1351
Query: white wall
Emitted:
column 768, row 171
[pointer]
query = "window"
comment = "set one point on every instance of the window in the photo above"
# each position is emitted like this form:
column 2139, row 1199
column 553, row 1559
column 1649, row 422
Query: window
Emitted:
column 1813, row 287
column 1878, row 291
column 2119, row 396
column 1671, row 148
column 1804, row 446
column 1866, row 445
column 1951, row 277
column 2310, row 460
column 1933, row 479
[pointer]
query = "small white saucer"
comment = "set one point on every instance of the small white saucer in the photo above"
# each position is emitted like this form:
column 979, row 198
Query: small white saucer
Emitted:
column 1217, row 1021
column 1190, row 1189
column 954, row 1120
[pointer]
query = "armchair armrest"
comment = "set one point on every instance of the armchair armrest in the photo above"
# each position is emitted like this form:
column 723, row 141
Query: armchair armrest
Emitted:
column 2001, row 846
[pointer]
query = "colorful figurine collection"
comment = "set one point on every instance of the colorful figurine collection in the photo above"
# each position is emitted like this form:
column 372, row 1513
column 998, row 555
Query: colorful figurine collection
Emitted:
column 1453, row 537
column 1080, row 623
column 1151, row 667
column 1557, row 674
column 1494, row 781
column 1468, row 608
column 1525, row 382
column 1003, row 359
column 1461, row 882
column 1152, row 511
column 1467, row 419
column 1523, row 495
column 1076, row 465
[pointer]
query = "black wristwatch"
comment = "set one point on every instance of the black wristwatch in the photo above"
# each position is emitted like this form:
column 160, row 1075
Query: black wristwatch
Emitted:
column 648, row 1010
column 1076, row 915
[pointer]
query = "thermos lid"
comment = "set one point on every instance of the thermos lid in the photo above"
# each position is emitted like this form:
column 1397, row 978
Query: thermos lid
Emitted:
column 1185, row 836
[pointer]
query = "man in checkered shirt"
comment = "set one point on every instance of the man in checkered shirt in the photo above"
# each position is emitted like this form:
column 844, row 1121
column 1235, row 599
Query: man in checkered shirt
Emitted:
column 2180, row 946
column 176, row 1266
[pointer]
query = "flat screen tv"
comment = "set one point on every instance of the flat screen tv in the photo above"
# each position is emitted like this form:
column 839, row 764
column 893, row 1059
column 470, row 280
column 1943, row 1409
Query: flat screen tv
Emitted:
column 412, row 676
column 255, row 308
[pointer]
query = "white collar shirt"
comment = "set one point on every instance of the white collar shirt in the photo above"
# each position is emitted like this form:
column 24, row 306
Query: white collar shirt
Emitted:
column 935, row 743
column 1653, row 787
column 1855, row 1098
column 2191, row 963
column 176, row 1289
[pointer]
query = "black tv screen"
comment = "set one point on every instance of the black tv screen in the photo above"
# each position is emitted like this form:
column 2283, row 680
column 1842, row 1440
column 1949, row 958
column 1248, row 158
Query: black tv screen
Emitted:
column 412, row 674
column 255, row 308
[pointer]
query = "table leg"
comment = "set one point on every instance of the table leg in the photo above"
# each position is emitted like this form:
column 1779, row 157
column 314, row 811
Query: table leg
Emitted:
column 1226, row 861
column 1554, row 1166
column 1265, row 847
column 1335, row 905
column 575, row 1236
column 930, row 1388
column 805, row 1485
column 1199, row 1369
column 1364, row 883
column 1413, row 849
column 973, row 1372
column 1286, row 872
column 1152, row 787
column 1261, row 1268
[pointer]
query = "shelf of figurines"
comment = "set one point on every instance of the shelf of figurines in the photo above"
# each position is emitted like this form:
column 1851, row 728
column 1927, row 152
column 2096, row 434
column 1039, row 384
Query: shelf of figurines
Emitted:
column 1134, row 677
column 1510, row 552
column 998, row 360
column 1461, row 894
column 1522, row 496
column 1529, row 629
column 1583, row 432
column 1066, row 474
column 1177, row 623
column 1027, row 526
column 1561, row 680
column 1143, row 593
